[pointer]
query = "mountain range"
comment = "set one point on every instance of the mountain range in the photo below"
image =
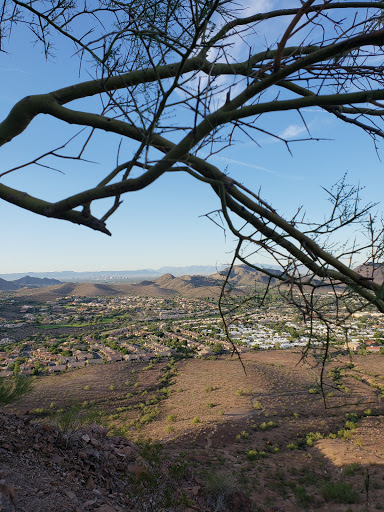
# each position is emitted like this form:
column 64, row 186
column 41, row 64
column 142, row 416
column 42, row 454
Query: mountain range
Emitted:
column 27, row 282
column 168, row 285
column 118, row 275
column 242, row 279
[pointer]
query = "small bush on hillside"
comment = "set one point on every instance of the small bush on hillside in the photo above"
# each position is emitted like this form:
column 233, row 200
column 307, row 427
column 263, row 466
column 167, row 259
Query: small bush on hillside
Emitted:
column 72, row 419
column 352, row 469
column 40, row 411
column 299, row 444
column 301, row 495
column 243, row 435
column 267, row 425
column 13, row 389
column 339, row 492
column 152, row 488
column 252, row 455
column 219, row 487
column 312, row 437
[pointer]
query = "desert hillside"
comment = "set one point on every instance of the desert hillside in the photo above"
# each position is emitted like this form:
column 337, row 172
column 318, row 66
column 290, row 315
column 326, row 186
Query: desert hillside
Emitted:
column 233, row 439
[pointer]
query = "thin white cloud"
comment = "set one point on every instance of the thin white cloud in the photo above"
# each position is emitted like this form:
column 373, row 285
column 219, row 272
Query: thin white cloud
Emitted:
column 232, row 161
column 256, row 6
column 245, row 164
column 292, row 131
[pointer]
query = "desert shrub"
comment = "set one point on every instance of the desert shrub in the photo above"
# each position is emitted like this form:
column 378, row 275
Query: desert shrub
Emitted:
column 352, row 469
column 312, row 437
column 243, row 435
column 209, row 388
column 73, row 418
column 252, row 455
column 339, row 492
column 303, row 498
column 272, row 448
column 299, row 444
column 149, row 415
column 152, row 489
column 123, row 409
column 219, row 487
column 178, row 469
column 345, row 434
column 350, row 425
column 352, row 416
column 12, row 390
column 196, row 420
column 267, row 425
column 309, row 478
column 171, row 418
column 40, row 411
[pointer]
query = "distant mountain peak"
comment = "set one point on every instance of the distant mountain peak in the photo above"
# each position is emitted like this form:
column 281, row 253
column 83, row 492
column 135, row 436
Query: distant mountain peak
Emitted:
column 27, row 282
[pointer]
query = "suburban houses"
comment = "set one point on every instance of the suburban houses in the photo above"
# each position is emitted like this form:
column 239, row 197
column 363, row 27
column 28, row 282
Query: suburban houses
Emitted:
column 73, row 332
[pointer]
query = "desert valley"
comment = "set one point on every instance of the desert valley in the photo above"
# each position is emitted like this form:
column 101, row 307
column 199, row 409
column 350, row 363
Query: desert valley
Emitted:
column 140, row 400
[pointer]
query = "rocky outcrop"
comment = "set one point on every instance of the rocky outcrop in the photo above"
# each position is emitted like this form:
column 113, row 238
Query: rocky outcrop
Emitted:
column 43, row 469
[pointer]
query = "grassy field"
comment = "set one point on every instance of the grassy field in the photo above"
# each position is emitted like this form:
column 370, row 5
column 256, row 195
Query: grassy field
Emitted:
column 266, row 431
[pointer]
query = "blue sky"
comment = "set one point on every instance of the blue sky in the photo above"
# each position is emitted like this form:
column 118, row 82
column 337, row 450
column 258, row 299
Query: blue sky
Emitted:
column 162, row 225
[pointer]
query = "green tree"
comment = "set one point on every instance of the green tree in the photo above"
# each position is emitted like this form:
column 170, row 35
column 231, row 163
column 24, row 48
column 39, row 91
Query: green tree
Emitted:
column 217, row 348
column 16, row 369
column 148, row 59
column 38, row 368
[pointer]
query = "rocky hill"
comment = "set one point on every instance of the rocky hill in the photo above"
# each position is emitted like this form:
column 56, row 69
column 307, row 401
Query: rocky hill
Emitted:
column 242, row 278
column 7, row 285
column 45, row 469
column 245, row 276
column 27, row 282
column 375, row 272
